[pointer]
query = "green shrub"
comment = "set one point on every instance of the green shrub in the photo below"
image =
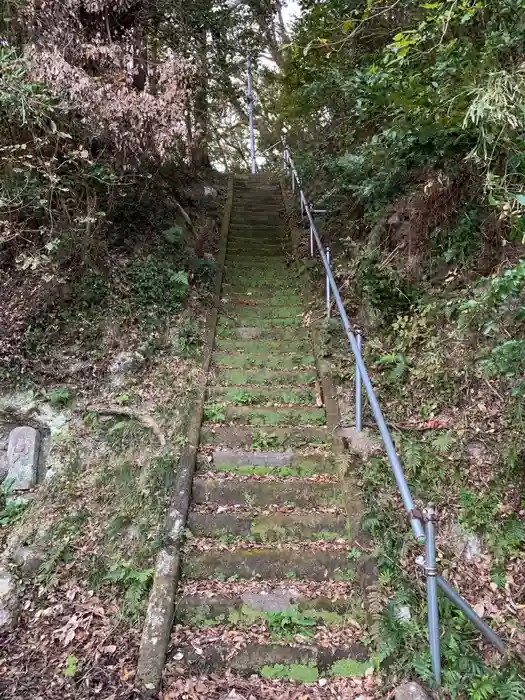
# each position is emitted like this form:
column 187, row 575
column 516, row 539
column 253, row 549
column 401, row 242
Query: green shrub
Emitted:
column 155, row 283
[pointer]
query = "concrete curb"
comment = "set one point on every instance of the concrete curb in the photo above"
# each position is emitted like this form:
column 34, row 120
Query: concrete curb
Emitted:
column 161, row 606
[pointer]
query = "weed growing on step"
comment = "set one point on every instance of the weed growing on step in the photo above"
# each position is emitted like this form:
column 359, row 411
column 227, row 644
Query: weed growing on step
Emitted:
column 226, row 537
column 201, row 618
column 264, row 441
column 290, row 623
column 215, row 413
column 243, row 397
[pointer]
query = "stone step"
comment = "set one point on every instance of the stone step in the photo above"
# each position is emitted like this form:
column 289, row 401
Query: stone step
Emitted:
column 303, row 493
column 263, row 301
column 245, row 256
column 272, row 563
column 247, row 193
column 263, row 269
column 266, row 234
column 264, row 216
column 263, row 347
column 253, row 333
column 248, row 396
column 285, row 362
column 247, row 463
column 260, row 311
column 255, row 204
column 253, row 225
column 302, row 469
column 254, row 276
column 302, row 662
column 263, row 416
column 247, row 286
column 273, row 527
column 262, row 377
column 256, row 245
column 250, row 319
column 250, row 600
column 253, row 261
column 251, row 437
column 246, row 241
column 248, row 254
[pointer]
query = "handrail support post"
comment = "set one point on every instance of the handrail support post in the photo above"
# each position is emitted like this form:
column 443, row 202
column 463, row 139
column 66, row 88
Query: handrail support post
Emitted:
column 432, row 601
column 358, row 388
column 328, row 302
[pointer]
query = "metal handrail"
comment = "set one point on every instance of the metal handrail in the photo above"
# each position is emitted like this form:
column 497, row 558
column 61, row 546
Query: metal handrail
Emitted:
column 423, row 522
column 414, row 515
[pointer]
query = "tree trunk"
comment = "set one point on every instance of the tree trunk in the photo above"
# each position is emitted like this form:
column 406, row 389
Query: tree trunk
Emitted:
column 200, row 155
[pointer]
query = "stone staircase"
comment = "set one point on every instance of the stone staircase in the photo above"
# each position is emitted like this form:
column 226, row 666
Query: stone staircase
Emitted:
column 272, row 572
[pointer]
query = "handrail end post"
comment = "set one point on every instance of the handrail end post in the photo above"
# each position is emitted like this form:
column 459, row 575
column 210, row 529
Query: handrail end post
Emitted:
column 358, row 388
column 432, row 601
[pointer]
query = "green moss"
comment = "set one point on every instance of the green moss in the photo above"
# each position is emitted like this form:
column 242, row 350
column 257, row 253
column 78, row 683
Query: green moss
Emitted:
column 345, row 575
column 264, row 347
column 349, row 668
column 328, row 617
column 201, row 617
column 287, row 417
column 300, row 673
column 264, row 530
column 264, row 377
column 225, row 321
column 264, row 361
column 327, row 536
column 266, row 312
column 245, row 616
column 256, row 470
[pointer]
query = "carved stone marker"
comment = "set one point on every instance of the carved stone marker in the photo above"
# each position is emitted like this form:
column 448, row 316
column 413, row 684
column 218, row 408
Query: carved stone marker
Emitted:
column 22, row 457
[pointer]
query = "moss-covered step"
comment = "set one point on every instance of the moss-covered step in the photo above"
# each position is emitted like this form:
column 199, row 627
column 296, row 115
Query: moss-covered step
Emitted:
column 237, row 281
column 280, row 362
column 272, row 563
column 254, row 320
column 225, row 376
column 254, row 333
column 259, row 311
column 263, row 416
column 302, row 493
column 257, row 251
column 297, row 663
column 213, row 605
column 262, row 396
column 250, row 241
column 257, row 246
column 264, row 438
column 269, row 463
column 254, row 226
column 257, row 274
column 264, row 347
column 245, row 285
column 274, row 527
column 286, row 299
column 255, row 470
column 262, row 272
